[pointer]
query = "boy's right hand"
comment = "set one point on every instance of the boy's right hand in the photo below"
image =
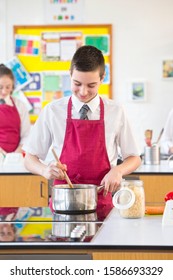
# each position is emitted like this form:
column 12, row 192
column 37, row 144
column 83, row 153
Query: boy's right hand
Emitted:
column 55, row 170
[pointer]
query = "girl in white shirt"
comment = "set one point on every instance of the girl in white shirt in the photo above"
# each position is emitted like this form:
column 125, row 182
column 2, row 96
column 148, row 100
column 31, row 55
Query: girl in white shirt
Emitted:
column 14, row 117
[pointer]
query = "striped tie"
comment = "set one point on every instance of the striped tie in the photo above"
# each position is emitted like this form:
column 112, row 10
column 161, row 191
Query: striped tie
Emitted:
column 83, row 112
column 2, row 101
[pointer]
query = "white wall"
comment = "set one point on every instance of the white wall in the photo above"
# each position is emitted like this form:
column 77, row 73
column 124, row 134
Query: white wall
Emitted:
column 142, row 37
column 2, row 30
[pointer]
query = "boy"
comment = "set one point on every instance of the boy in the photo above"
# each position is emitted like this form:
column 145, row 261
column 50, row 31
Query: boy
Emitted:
column 87, row 147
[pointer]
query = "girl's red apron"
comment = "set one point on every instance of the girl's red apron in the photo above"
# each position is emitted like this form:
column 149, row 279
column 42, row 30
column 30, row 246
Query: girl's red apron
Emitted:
column 9, row 127
column 84, row 152
column 9, row 137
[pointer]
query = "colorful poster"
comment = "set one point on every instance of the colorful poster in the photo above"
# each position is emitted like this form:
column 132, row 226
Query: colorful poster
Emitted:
column 107, row 74
column 50, row 45
column 23, row 98
column 64, row 11
column 35, row 102
column 137, row 90
column 60, row 46
column 56, row 85
column 27, row 45
column 22, row 77
column 167, row 68
column 35, row 84
column 101, row 42
column 69, row 43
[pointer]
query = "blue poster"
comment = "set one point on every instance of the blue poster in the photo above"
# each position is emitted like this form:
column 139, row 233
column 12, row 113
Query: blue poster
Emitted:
column 21, row 75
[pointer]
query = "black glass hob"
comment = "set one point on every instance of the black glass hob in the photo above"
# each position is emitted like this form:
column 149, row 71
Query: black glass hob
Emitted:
column 37, row 224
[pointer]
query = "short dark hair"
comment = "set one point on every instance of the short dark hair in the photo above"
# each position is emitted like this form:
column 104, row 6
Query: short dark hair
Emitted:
column 5, row 71
column 88, row 58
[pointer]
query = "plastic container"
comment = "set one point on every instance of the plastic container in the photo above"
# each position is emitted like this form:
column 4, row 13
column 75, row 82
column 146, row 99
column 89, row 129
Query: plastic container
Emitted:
column 130, row 199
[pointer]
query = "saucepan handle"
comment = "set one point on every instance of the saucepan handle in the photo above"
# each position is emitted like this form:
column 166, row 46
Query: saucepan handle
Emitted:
column 100, row 188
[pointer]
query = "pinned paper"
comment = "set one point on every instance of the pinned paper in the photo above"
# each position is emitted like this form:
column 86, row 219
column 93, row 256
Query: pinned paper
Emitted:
column 20, row 95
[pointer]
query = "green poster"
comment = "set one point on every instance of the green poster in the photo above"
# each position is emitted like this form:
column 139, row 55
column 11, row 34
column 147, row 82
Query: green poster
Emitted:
column 100, row 42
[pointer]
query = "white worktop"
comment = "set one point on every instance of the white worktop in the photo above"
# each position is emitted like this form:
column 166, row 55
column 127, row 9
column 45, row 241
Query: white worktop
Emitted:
column 147, row 231
column 118, row 233
column 162, row 168
column 13, row 168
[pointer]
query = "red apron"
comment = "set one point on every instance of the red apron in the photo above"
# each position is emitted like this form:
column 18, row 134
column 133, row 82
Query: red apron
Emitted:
column 84, row 152
column 9, row 127
column 9, row 137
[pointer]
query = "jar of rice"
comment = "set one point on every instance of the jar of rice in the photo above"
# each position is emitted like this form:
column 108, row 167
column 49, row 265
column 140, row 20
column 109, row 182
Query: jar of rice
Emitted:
column 130, row 199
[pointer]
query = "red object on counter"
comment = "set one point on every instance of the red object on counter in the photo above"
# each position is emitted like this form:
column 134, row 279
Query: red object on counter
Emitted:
column 148, row 142
column 169, row 196
column 23, row 153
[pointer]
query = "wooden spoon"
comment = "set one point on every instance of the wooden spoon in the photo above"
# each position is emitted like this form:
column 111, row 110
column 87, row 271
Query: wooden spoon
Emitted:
column 65, row 174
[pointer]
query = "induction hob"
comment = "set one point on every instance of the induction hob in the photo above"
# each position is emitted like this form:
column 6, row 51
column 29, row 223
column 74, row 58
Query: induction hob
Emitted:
column 24, row 225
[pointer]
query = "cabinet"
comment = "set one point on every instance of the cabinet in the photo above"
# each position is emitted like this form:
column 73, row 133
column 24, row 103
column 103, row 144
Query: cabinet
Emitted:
column 156, row 184
column 23, row 191
column 156, row 187
column 133, row 255
column 94, row 254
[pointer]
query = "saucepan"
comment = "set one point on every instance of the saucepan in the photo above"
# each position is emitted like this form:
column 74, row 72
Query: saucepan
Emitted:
column 64, row 229
column 73, row 218
column 63, row 224
column 82, row 198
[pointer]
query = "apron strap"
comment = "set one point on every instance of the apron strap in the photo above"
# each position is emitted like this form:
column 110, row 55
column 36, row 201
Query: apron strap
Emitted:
column 69, row 109
column 101, row 109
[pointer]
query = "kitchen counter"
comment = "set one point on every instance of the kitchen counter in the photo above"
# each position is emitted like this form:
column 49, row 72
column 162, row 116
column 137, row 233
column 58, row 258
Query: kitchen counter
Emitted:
column 13, row 169
column 146, row 232
column 162, row 168
column 117, row 238
column 115, row 232
column 157, row 179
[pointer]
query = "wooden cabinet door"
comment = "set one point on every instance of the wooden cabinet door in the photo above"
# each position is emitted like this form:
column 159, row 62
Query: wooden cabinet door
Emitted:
column 23, row 191
column 156, row 187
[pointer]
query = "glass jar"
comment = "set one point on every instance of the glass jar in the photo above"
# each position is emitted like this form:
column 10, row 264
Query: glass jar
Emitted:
column 130, row 199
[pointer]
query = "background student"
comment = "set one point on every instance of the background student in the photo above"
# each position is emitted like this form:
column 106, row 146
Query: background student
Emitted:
column 14, row 117
column 167, row 137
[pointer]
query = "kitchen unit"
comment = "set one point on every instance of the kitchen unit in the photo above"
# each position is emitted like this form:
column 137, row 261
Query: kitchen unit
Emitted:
column 19, row 188
column 103, row 237
column 109, row 235
column 157, row 179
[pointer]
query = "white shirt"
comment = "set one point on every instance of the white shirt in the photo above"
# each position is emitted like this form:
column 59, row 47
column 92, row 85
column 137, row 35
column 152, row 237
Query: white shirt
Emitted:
column 24, row 118
column 50, row 127
column 167, row 137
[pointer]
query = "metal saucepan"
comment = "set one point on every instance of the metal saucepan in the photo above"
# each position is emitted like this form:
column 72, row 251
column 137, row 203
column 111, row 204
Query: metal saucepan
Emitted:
column 64, row 229
column 63, row 224
column 82, row 198
column 90, row 217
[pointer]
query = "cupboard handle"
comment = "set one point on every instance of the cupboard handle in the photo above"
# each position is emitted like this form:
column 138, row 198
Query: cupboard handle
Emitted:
column 41, row 188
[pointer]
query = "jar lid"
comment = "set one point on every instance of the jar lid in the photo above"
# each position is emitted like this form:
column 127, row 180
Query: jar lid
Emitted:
column 124, row 198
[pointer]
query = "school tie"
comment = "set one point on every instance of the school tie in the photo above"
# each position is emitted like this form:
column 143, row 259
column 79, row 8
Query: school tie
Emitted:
column 2, row 101
column 83, row 112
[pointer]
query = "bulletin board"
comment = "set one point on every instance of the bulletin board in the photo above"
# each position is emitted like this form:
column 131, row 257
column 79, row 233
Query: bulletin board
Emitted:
column 45, row 51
